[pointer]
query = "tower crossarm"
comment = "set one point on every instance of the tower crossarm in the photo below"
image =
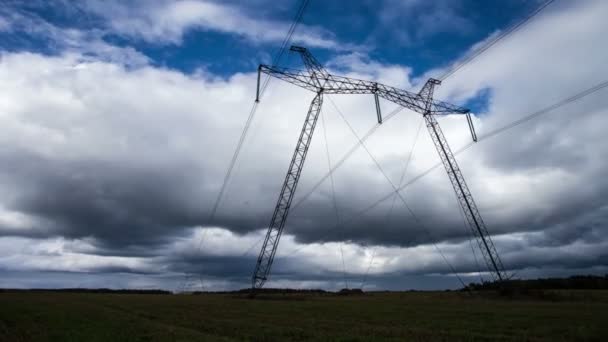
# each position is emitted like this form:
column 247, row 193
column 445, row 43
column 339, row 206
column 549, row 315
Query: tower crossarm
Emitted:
column 318, row 80
column 309, row 60
column 300, row 78
column 332, row 84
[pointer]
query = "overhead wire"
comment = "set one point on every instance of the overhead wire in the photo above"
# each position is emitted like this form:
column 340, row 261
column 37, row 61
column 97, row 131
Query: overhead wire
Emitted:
column 254, row 107
column 460, row 64
column 345, row 157
column 497, row 131
column 443, row 77
column 333, row 195
column 452, row 71
column 456, row 67
column 543, row 111
column 449, row 73
column 483, row 137
column 392, row 207
column 414, row 216
column 286, row 41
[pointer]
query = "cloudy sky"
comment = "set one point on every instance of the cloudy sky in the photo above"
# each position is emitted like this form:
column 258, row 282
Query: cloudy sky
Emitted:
column 120, row 119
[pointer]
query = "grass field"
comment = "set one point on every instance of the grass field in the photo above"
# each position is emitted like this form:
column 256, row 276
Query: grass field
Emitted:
column 409, row 316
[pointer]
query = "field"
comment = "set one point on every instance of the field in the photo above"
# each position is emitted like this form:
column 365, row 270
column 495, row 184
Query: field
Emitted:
column 409, row 316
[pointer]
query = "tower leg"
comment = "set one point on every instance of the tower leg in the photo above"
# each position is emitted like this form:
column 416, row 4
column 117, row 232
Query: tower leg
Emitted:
column 277, row 223
column 478, row 227
column 465, row 199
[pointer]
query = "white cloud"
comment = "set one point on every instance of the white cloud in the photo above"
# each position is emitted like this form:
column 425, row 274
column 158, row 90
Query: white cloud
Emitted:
column 59, row 255
column 86, row 44
column 133, row 156
column 168, row 21
column 418, row 20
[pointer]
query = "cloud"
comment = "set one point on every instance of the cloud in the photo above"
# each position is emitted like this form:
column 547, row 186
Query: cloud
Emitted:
column 162, row 22
column 26, row 30
column 224, row 261
column 419, row 20
column 111, row 167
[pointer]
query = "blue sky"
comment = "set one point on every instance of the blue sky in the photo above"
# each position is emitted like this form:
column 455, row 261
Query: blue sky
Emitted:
column 422, row 35
column 120, row 118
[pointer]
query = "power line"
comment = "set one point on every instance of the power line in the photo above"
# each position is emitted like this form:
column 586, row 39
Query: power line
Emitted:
column 545, row 110
column 449, row 73
column 493, row 41
column 483, row 137
column 502, row 129
column 390, row 211
column 489, row 134
column 333, row 195
column 250, row 117
column 377, row 164
column 254, row 107
column 409, row 209
column 286, row 41
column 346, row 156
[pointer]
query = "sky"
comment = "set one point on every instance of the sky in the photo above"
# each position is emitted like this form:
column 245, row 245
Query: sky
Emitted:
column 120, row 119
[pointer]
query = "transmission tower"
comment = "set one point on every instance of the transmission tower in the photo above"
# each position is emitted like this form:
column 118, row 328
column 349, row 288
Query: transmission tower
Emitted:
column 316, row 79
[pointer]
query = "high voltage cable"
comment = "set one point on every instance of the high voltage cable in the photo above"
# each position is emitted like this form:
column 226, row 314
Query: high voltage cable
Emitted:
column 254, row 107
column 545, row 110
column 448, row 73
column 409, row 209
column 252, row 112
column 286, row 41
column 390, row 211
column 490, row 134
column 347, row 155
column 495, row 132
column 495, row 40
column 390, row 195
column 297, row 18
column 333, row 195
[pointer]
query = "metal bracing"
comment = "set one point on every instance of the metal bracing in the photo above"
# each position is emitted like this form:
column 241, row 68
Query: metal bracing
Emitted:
column 476, row 224
column 315, row 78
column 332, row 84
column 277, row 223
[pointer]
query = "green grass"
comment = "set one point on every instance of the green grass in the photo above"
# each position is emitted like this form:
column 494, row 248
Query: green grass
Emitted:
column 409, row 316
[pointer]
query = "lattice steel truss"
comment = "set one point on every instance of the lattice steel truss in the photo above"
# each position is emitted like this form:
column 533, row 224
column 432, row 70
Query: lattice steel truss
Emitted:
column 467, row 203
column 277, row 223
column 316, row 79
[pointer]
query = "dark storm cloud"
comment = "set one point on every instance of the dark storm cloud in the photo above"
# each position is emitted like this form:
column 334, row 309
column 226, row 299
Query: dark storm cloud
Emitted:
column 133, row 160
column 131, row 209
column 118, row 203
column 227, row 267
column 588, row 228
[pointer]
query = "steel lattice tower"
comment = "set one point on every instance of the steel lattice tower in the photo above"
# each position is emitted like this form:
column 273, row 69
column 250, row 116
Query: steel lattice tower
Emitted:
column 316, row 79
